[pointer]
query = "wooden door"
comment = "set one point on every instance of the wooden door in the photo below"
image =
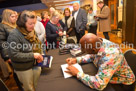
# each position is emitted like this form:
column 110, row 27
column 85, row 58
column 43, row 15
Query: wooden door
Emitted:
column 113, row 13
column 134, row 26
column 129, row 21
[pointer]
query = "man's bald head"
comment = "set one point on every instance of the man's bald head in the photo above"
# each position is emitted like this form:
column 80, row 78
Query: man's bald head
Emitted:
column 52, row 10
column 90, row 43
column 76, row 6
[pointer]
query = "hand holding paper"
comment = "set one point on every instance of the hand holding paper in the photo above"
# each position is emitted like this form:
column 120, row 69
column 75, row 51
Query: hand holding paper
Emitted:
column 68, row 71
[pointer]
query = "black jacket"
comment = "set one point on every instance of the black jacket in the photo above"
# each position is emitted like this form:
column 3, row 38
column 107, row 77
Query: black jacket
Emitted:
column 4, row 33
column 52, row 33
column 20, row 51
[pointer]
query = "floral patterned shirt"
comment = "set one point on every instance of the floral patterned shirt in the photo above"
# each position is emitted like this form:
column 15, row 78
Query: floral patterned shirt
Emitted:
column 112, row 67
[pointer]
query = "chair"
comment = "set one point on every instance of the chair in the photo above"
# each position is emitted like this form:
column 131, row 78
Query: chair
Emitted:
column 3, row 87
column 131, row 59
column 119, row 27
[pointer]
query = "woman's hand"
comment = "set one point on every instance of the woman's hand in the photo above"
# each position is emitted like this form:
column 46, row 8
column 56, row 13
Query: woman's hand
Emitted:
column 60, row 33
column 38, row 57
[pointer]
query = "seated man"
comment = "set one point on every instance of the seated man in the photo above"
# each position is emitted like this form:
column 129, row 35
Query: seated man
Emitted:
column 110, row 61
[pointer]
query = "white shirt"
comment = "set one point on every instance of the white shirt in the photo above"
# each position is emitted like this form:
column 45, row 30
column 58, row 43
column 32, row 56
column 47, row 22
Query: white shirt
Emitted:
column 75, row 15
column 40, row 31
column 90, row 18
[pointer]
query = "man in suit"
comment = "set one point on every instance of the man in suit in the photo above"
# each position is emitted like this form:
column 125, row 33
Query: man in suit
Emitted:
column 80, row 17
column 104, row 19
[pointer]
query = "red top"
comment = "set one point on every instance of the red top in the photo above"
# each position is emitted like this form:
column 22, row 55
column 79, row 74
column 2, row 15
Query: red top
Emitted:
column 45, row 22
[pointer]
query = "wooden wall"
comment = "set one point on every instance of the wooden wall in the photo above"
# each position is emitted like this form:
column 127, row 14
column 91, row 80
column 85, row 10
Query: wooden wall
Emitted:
column 129, row 21
column 105, row 2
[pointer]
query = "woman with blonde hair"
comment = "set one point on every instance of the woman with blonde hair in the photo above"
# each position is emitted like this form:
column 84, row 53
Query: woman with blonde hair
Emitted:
column 6, row 26
column 54, row 30
column 9, row 18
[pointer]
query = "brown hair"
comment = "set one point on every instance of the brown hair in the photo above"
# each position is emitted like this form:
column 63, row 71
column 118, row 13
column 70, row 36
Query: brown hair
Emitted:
column 100, row 2
column 65, row 10
column 22, row 19
column 43, row 13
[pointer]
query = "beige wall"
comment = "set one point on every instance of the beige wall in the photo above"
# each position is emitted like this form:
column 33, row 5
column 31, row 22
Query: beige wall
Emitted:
column 120, row 11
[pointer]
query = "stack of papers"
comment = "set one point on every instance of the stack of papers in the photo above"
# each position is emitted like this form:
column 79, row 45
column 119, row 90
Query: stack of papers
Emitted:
column 65, row 48
column 76, row 52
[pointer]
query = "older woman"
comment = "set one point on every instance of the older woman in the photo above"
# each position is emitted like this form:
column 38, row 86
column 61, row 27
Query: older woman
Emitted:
column 51, row 11
column 24, row 51
column 69, row 21
column 53, row 30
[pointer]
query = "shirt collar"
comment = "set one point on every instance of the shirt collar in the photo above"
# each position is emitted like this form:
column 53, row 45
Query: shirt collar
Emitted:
column 102, row 50
column 77, row 11
column 103, row 7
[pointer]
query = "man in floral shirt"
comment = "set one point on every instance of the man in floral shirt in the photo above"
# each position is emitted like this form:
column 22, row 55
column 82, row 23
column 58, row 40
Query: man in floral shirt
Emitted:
column 110, row 61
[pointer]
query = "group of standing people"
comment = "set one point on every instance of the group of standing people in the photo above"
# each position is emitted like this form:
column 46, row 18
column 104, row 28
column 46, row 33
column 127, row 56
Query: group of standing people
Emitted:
column 81, row 20
column 103, row 18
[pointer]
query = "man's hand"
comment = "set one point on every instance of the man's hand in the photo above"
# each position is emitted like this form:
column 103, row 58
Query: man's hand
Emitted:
column 71, row 61
column 72, row 70
column 38, row 57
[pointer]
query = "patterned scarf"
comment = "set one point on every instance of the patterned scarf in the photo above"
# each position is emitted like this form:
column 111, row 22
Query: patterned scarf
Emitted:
column 32, row 38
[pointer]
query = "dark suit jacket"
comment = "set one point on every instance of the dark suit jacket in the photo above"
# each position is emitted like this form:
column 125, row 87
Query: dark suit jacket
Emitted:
column 81, row 20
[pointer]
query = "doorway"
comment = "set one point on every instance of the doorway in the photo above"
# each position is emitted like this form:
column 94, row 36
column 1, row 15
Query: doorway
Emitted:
column 113, row 13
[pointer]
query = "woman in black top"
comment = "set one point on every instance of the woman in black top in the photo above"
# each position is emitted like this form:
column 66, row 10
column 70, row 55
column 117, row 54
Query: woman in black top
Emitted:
column 54, row 30
column 69, row 21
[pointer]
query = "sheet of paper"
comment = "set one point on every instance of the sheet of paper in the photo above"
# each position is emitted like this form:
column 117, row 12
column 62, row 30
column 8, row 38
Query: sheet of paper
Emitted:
column 64, row 68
